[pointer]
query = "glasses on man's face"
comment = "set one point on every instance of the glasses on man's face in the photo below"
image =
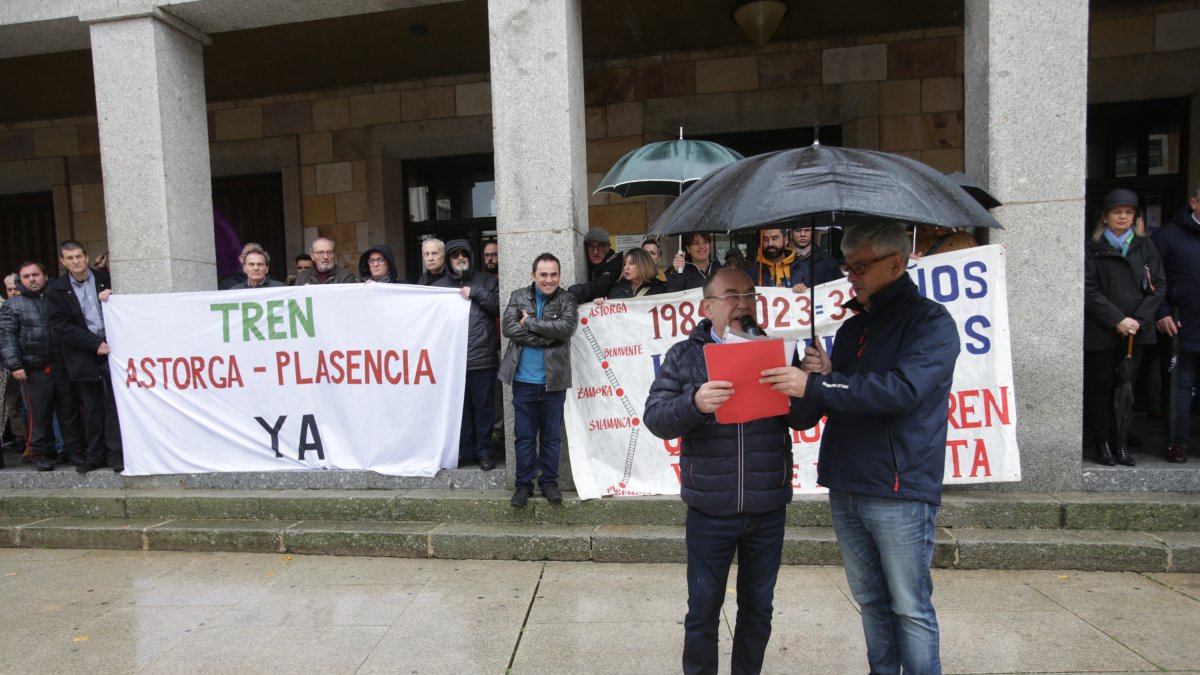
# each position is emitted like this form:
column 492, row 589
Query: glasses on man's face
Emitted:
column 490, row 255
column 321, row 254
column 860, row 268
column 376, row 261
column 736, row 297
column 458, row 254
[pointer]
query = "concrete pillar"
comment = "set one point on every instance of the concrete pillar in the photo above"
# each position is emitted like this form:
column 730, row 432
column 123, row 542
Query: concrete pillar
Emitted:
column 1026, row 108
column 153, row 123
column 539, row 140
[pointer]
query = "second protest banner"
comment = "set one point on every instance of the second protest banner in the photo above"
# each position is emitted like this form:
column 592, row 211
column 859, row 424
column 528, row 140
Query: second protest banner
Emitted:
column 619, row 347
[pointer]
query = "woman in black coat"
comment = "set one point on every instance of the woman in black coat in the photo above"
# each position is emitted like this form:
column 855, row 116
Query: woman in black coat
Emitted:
column 639, row 277
column 692, row 268
column 1123, row 286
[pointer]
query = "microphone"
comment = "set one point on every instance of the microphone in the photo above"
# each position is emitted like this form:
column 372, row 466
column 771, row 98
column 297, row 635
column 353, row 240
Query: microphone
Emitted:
column 750, row 326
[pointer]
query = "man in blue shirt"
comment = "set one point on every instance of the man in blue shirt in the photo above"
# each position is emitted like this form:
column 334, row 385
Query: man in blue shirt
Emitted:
column 538, row 322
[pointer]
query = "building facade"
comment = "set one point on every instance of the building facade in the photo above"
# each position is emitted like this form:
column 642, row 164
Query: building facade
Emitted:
column 122, row 125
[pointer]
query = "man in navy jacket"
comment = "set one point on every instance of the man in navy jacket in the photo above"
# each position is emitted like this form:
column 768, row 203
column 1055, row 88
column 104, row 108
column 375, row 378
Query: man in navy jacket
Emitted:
column 884, row 392
column 736, row 480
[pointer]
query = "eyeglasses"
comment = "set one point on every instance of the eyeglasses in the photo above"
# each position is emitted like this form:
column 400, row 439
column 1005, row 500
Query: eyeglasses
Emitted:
column 458, row 254
column 322, row 253
column 860, row 268
column 377, row 261
column 736, row 297
column 490, row 255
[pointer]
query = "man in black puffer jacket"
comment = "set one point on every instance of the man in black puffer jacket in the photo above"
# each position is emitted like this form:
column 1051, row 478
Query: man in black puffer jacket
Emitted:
column 736, row 480
column 31, row 353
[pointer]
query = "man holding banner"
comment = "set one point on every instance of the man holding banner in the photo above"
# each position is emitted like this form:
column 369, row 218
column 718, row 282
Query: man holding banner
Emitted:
column 736, row 480
column 883, row 449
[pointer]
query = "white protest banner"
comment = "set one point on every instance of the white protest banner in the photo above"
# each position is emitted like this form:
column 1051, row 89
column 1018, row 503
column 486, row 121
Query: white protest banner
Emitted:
column 354, row 376
column 619, row 346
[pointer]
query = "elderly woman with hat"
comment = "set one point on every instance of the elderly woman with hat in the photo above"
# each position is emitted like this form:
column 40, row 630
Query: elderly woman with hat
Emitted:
column 1123, row 286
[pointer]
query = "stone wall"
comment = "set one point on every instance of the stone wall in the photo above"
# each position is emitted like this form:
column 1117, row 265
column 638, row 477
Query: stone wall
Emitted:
column 901, row 92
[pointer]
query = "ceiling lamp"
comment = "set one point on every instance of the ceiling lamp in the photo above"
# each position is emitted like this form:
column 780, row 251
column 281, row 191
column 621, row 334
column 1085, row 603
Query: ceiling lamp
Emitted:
column 759, row 18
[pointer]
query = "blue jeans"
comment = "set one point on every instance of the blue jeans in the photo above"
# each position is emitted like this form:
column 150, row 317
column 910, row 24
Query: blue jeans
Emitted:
column 711, row 542
column 1181, row 401
column 479, row 411
column 887, row 547
column 538, row 418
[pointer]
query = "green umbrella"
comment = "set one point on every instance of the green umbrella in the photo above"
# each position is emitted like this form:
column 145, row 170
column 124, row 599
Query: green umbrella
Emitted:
column 665, row 169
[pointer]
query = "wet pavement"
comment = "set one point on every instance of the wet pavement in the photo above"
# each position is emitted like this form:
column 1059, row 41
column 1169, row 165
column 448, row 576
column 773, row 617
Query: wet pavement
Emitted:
column 68, row 611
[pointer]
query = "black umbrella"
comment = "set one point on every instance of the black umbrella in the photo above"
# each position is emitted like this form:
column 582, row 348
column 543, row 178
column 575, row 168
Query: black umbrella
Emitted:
column 836, row 186
column 985, row 199
column 1123, row 400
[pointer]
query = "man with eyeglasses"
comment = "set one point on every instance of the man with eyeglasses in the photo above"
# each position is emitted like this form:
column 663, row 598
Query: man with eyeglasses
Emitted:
column 377, row 265
column 483, row 355
column 735, row 478
column 604, row 267
column 491, row 258
column 326, row 271
column 884, row 392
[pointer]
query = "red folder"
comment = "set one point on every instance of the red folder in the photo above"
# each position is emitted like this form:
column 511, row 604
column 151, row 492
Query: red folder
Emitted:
column 742, row 364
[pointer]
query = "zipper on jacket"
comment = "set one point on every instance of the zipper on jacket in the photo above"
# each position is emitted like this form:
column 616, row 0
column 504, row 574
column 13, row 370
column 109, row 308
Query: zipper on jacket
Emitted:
column 741, row 497
column 895, row 462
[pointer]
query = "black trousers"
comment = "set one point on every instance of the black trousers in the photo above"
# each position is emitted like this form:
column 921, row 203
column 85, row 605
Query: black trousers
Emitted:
column 1099, row 385
column 49, row 393
column 100, row 418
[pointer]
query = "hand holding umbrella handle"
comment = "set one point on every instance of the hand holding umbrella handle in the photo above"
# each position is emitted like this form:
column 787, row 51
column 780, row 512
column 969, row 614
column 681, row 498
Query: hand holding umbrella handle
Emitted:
column 679, row 261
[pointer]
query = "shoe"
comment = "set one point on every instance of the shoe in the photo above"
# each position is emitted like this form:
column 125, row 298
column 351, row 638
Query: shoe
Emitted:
column 117, row 468
column 521, row 496
column 1177, row 454
column 89, row 466
column 45, row 465
column 552, row 493
column 1124, row 458
column 487, row 463
column 1104, row 453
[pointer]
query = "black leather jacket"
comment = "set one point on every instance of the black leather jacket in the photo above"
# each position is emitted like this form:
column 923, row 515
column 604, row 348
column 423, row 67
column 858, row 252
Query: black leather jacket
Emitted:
column 552, row 332
column 26, row 340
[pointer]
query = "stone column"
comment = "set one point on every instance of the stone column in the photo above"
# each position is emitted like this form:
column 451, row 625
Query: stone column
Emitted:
column 539, row 140
column 150, row 105
column 1026, row 108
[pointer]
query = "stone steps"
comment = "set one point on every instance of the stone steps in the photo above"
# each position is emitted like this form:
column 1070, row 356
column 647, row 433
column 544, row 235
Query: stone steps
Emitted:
column 1133, row 532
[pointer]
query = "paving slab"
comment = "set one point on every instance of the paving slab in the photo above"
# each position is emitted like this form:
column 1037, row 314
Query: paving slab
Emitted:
column 638, row 543
column 1059, row 549
column 113, row 533
column 258, row 536
column 404, row 540
column 511, row 542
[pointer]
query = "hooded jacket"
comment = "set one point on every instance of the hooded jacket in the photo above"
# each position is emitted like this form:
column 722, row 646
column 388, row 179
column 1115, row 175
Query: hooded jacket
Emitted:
column 552, row 332
column 777, row 273
column 1115, row 287
column 364, row 270
column 886, row 398
column 1178, row 245
column 26, row 340
column 724, row 469
column 483, row 345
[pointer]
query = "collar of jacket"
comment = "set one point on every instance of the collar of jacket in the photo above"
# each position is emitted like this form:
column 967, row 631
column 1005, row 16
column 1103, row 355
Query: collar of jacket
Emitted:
column 887, row 297
column 1104, row 249
column 533, row 293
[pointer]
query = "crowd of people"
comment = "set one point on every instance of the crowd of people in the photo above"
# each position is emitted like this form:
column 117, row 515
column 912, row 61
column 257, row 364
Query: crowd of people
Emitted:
column 1140, row 297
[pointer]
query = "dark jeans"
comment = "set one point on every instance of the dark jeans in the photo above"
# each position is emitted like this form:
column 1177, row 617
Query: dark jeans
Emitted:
column 757, row 539
column 49, row 394
column 1099, row 368
column 100, row 419
column 538, row 418
column 1181, row 400
column 479, row 411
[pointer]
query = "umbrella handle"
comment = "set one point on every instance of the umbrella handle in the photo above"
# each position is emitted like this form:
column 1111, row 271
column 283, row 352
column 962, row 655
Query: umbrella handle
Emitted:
column 1129, row 348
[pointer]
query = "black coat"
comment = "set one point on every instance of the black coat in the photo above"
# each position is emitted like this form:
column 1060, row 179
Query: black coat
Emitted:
column 483, row 345
column 78, row 344
column 1178, row 245
column 624, row 290
column 724, row 469
column 691, row 277
column 600, row 280
column 1115, row 287
column 26, row 340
